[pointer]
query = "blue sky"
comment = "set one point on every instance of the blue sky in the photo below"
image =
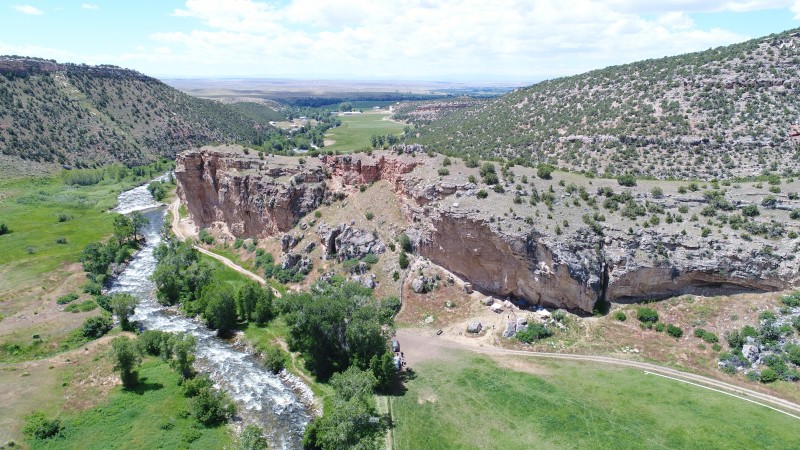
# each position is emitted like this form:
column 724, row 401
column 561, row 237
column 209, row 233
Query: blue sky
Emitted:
column 450, row 40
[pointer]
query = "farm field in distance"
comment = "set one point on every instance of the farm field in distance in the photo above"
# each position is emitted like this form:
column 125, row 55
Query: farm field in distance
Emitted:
column 356, row 131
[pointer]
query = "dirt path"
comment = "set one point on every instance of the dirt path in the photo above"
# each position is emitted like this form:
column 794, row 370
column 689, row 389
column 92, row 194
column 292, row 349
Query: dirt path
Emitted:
column 182, row 233
column 419, row 345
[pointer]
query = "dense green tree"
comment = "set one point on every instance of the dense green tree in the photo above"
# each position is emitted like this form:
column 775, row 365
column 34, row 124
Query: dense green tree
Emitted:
column 352, row 424
column 384, row 371
column 212, row 407
column 179, row 275
column 138, row 223
column 252, row 439
column 183, row 349
column 263, row 311
column 220, row 311
column 123, row 228
column 247, row 298
column 126, row 357
column 123, row 306
column 335, row 326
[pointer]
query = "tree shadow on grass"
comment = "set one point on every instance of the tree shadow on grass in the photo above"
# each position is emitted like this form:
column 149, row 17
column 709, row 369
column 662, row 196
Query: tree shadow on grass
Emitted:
column 142, row 386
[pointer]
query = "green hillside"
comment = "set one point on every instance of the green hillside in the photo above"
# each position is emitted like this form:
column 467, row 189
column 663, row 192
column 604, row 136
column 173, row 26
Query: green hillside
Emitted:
column 82, row 116
column 723, row 112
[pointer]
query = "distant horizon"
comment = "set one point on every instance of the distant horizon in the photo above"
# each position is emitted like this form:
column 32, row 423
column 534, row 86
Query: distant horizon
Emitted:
column 479, row 41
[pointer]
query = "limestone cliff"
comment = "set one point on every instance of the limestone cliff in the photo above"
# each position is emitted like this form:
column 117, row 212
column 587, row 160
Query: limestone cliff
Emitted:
column 555, row 256
column 250, row 197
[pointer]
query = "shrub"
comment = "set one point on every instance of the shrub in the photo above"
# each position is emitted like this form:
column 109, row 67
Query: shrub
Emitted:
column 97, row 326
column 674, row 331
column 660, row 327
column 707, row 336
column 657, row 192
column 38, row 426
column 405, row 243
column 211, row 407
column 4, row 229
column 193, row 386
column 544, row 171
column 68, row 298
column 403, row 260
column 84, row 306
column 482, row 194
column 252, row 439
column 369, row 215
column 626, row 180
column 735, row 340
column 446, row 161
column 647, row 315
column 792, row 300
column 769, row 202
column 237, row 244
column 534, row 332
column 768, row 375
column 443, row 172
column 274, row 358
column 750, row 211
column 205, row 237
column 92, row 288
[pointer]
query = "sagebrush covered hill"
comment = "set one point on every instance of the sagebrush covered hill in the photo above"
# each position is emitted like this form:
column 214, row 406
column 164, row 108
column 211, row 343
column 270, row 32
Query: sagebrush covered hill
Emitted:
column 80, row 116
column 729, row 111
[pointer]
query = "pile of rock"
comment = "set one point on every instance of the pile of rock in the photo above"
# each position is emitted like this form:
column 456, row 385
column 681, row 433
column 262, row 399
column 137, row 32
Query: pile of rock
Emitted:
column 346, row 242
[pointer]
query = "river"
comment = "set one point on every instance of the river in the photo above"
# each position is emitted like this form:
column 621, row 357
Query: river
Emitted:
column 278, row 404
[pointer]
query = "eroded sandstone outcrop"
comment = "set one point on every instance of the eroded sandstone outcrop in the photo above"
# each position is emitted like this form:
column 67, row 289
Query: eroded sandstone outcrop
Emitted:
column 496, row 245
column 251, row 197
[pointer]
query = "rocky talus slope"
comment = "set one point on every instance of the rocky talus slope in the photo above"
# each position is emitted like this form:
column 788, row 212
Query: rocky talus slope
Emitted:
column 562, row 250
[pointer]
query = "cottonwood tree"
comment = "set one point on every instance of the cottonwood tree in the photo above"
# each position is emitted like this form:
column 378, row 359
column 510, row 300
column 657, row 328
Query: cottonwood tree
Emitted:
column 126, row 358
column 123, row 306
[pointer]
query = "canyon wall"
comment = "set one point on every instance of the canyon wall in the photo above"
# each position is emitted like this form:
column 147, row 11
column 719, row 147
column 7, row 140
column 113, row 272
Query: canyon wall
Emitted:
column 479, row 240
column 250, row 197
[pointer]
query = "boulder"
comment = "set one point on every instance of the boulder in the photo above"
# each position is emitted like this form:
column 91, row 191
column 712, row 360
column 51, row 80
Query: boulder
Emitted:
column 310, row 247
column 488, row 301
column 750, row 352
column 345, row 242
column 468, row 288
column 474, row 327
column 418, row 285
column 369, row 282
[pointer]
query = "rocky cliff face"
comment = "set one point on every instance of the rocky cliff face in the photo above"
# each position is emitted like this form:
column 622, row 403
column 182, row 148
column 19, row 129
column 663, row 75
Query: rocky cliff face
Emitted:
column 528, row 266
column 248, row 196
column 500, row 246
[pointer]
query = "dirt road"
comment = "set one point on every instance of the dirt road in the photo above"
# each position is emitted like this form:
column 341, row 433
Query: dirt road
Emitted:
column 182, row 233
column 420, row 345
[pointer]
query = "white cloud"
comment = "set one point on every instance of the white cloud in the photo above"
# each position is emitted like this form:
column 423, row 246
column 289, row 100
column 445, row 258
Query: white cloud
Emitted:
column 29, row 10
column 445, row 38
column 523, row 40
column 89, row 6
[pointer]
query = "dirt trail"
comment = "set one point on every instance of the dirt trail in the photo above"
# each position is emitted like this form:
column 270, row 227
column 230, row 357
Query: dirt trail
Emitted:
column 420, row 345
column 182, row 233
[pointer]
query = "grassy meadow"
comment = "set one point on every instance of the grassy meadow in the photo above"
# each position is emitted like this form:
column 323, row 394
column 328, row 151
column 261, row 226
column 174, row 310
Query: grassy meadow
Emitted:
column 356, row 131
column 152, row 415
column 51, row 221
column 462, row 401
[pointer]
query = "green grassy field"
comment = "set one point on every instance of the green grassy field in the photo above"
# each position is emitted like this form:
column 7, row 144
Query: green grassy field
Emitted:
column 153, row 415
column 464, row 402
column 356, row 131
column 31, row 207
